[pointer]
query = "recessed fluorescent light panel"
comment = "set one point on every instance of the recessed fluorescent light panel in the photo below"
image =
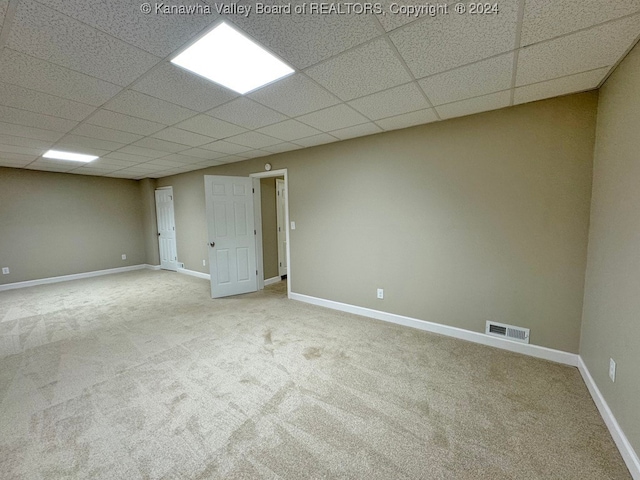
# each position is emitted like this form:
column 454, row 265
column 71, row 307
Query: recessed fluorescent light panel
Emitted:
column 227, row 57
column 74, row 157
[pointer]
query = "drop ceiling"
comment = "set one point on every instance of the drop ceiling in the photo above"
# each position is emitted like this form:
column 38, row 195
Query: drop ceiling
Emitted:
column 93, row 77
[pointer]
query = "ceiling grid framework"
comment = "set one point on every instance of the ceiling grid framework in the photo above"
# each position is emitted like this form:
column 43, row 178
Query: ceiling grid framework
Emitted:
column 95, row 77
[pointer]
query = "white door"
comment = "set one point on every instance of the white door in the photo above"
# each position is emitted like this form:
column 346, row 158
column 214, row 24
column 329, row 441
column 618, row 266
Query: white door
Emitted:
column 166, row 229
column 232, row 237
column 281, row 199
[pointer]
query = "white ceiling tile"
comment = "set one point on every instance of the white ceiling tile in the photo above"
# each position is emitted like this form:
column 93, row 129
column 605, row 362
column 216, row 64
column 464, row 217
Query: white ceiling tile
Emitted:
column 560, row 86
column 390, row 19
column 36, row 74
column 164, row 163
column 90, row 146
column 184, row 159
column 361, row 71
column 281, row 147
column 544, row 19
column 46, row 34
column 110, row 163
column 419, row 117
column 211, row 127
column 209, row 163
column 232, row 159
column 138, row 104
column 141, row 152
column 481, row 78
column 356, row 131
column 118, row 121
column 6, row 149
column 443, row 42
column 253, row 140
column 586, row 50
column 485, row 103
column 181, row 87
column 305, row 39
column 395, row 101
column 222, row 146
column 25, row 142
column 203, row 154
column 18, row 158
column 4, row 4
column 29, row 132
column 103, row 133
column 125, row 158
column 91, row 172
column 5, row 162
column 333, row 118
column 160, row 145
column 30, row 119
column 38, row 102
column 247, row 113
column 294, row 95
column 125, row 174
column 289, row 130
column 156, row 33
column 316, row 140
column 254, row 154
column 183, row 137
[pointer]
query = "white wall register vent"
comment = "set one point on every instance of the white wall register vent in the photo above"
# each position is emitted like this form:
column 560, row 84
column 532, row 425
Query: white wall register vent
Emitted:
column 517, row 334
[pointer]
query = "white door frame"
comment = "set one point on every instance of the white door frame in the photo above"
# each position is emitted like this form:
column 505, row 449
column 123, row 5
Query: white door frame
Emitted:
column 258, row 222
column 170, row 189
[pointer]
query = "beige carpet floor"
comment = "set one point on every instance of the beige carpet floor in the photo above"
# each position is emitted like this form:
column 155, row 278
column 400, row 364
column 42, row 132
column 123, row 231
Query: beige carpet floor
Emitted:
column 142, row 376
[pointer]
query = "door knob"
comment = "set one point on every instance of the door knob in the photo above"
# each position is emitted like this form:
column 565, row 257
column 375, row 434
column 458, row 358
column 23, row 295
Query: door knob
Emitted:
column 212, row 244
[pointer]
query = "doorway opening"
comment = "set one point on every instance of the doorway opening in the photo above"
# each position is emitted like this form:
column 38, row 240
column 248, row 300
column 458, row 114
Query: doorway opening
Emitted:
column 166, row 229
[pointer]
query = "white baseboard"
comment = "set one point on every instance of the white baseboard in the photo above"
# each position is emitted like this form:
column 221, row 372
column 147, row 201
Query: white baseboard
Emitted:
column 526, row 349
column 193, row 273
column 75, row 276
column 271, row 280
column 151, row 267
column 626, row 450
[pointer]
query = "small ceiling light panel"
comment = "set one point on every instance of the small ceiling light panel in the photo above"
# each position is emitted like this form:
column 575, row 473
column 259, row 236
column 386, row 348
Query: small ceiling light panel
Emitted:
column 73, row 157
column 229, row 58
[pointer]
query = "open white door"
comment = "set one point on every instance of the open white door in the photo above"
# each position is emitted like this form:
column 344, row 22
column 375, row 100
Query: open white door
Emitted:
column 281, row 199
column 166, row 229
column 232, row 237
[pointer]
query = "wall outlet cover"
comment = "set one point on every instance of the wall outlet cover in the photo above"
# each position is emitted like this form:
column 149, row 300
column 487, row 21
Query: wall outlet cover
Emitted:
column 124, row 256
column 612, row 369
column 5, row 270
column 380, row 293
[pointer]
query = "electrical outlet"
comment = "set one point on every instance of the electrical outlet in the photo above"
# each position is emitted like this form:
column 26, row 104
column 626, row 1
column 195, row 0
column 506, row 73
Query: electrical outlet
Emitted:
column 5, row 270
column 204, row 263
column 380, row 293
column 293, row 225
column 612, row 370
column 124, row 256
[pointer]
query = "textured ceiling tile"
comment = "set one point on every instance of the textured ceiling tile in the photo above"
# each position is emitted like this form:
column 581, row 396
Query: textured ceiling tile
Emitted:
column 203, row 154
column 316, row 140
column 211, row 127
column 114, row 164
column 361, row 71
column 281, row 147
column 140, row 105
column 560, row 86
column 125, row 158
column 356, row 131
column 46, row 34
column 160, row 145
column 164, row 163
column 485, row 103
column 29, row 132
column 333, row 118
column 4, row 4
column 103, row 133
column 18, row 157
column 247, row 113
column 408, row 119
column 14, row 163
column 75, row 141
column 182, row 158
column 253, row 140
column 50, row 167
column 142, row 152
column 303, row 40
column 390, row 18
column 289, row 130
column 254, row 154
column 25, row 142
column 231, row 159
column 38, row 102
column 184, row 88
column 183, row 137
column 437, row 44
column 544, row 19
column 36, row 74
column 587, row 50
column 209, row 163
column 118, row 121
column 156, row 33
column 480, row 78
column 5, row 149
column 294, row 95
column 222, row 146
column 30, row 119
column 395, row 101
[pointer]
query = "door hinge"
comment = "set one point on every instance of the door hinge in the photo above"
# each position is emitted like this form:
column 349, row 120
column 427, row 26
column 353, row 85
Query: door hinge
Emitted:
column 256, row 272
column 254, row 232
column 280, row 263
column 253, row 190
column 278, row 192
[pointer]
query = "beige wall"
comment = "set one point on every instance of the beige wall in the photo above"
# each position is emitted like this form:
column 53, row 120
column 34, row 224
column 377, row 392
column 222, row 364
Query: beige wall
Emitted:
column 149, row 221
column 55, row 224
column 269, row 227
column 474, row 219
column 611, row 320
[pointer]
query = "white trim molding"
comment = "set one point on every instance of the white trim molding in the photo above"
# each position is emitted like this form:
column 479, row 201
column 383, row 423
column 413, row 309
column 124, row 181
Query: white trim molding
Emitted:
column 152, row 267
column 271, row 280
column 626, row 450
column 476, row 337
column 75, row 276
column 193, row 273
